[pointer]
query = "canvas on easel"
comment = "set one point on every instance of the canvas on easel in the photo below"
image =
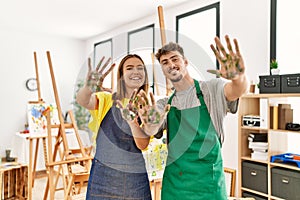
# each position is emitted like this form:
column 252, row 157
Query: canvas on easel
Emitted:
column 37, row 122
column 36, row 110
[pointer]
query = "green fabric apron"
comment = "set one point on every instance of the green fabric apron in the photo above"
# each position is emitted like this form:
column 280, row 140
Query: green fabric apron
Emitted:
column 194, row 168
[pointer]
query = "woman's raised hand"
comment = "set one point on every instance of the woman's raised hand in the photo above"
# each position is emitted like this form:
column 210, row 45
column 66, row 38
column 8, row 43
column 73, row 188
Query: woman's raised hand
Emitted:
column 140, row 106
column 95, row 78
column 129, row 113
column 151, row 117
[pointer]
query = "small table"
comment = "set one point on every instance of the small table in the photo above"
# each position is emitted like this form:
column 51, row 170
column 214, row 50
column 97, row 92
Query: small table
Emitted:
column 13, row 180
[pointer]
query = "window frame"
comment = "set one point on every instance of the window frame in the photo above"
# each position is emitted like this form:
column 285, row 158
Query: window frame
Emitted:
column 130, row 33
column 199, row 10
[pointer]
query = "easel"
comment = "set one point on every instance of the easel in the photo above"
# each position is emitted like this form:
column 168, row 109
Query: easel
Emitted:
column 65, row 156
column 49, row 136
column 32, row 169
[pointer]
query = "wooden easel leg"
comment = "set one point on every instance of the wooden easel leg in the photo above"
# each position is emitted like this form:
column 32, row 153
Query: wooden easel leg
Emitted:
column 30, row 169
column 46, row 189
column 46, row 162
column 68, row 190
column 1, row 177
column 35, row 159
column 51, row 185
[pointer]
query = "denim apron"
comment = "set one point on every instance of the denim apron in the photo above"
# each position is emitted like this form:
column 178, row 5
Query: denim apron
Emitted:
column 194, row 168
column 118, row 168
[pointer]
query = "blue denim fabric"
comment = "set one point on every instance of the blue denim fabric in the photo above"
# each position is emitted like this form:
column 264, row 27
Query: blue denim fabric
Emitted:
column 116, row 146
column 106, row 183
column 118, row 170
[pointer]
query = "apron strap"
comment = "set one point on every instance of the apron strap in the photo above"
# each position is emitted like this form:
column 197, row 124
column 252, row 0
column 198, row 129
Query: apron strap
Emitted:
column 198, row 92
column 171, row 97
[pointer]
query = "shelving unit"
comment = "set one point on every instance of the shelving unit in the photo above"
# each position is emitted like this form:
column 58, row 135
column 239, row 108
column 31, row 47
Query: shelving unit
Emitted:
column 250, row 105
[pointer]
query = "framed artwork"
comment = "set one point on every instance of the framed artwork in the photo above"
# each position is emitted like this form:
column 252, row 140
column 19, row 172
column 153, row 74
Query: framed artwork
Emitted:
column 230, row 176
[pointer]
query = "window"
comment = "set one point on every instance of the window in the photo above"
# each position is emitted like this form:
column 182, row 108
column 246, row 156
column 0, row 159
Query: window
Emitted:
column 141, row 42
column 101, row 49
column 285, row 40
column 285, row 35
column 195, row 32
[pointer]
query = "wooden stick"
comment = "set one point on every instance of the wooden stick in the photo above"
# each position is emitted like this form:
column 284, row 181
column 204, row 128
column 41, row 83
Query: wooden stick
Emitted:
column 83, row 153
column 37, row 77
column 163, row 42
column 51, row 158
column 35, row 159
column 162, row 25
column 62, row 131
column 154, row 74
column 112, row 80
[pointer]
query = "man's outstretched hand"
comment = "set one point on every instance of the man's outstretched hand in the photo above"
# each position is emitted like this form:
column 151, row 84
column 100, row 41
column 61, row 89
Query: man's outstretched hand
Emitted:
column 231, row 63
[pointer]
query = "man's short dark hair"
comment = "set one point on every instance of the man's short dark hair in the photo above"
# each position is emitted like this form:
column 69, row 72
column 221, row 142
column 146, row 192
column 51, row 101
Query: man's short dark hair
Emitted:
column 171, row 46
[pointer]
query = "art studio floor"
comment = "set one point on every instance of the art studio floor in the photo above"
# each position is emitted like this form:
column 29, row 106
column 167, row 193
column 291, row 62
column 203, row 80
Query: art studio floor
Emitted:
column 39, row 189
column 40, row 183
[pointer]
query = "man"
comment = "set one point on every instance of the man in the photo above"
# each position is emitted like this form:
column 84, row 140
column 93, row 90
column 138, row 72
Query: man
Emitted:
column 194, row 122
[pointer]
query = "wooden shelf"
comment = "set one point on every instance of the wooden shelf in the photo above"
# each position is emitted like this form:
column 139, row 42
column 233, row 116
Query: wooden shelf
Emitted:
column 276, row 198
column 254, row 192
column 277, row 95
column 281, row 130
column 250, row 104
column 250, row 159
column 287, row 166
column 254, row 128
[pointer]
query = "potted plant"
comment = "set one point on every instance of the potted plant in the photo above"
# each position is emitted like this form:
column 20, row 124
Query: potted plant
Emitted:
column 274, row 67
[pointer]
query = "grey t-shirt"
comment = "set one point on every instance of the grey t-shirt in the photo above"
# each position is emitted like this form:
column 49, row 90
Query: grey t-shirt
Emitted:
column 214, row 98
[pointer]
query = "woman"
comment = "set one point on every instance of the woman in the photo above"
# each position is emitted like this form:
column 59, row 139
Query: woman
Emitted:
column 118, row 168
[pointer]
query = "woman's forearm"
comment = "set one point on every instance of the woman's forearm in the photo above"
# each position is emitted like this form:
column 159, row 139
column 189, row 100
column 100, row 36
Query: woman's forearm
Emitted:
column 86, row 98
column 140, row 138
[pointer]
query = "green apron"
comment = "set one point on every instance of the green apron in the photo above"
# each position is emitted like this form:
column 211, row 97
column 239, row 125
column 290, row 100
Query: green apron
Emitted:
column 194, row 168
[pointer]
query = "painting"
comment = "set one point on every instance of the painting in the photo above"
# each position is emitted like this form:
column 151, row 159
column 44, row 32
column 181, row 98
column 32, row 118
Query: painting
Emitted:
column 36, row 114
column 230, row 176
column 155, row 156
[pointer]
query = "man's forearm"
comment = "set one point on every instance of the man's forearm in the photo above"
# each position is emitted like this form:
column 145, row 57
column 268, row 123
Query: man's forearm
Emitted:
column 236, row 88
column 240, row 86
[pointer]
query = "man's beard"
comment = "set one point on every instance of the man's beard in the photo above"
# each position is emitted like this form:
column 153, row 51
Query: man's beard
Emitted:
column 176, row 79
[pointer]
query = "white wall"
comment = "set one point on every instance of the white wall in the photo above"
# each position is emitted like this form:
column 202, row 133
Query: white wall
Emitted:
column 248, row 21
column 17, row 65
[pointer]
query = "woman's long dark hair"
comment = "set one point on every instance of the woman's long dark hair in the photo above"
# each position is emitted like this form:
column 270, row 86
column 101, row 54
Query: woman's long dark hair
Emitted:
column 121, row 89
